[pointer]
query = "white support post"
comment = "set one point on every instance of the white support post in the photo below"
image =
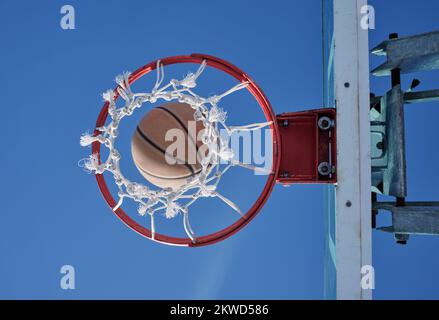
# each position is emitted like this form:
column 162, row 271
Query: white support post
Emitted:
column 353, row 191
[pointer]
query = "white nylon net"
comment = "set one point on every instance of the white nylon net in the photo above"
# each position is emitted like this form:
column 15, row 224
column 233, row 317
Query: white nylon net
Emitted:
column 219, row 158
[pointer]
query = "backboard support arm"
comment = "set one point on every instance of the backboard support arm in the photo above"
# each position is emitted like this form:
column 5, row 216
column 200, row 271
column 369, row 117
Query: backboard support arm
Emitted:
column 308, row 147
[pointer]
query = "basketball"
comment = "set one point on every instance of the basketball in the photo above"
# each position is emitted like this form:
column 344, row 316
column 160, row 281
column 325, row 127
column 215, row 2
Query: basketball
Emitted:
column 156, row 139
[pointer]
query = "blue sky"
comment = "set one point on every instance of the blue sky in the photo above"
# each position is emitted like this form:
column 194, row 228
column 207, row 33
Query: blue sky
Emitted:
column 53, row 213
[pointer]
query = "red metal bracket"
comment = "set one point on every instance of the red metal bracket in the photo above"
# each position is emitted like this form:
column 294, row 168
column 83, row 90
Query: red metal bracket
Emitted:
column 308, row 146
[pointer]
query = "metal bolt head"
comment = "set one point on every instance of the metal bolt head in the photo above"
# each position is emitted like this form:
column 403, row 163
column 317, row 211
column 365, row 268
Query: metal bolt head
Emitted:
column 324, row 168
column 285, row 174
column 380, row 145
column 325, row 123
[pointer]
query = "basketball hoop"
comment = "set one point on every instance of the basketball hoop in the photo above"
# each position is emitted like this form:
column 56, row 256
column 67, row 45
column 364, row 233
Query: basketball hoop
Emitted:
column 205, row 185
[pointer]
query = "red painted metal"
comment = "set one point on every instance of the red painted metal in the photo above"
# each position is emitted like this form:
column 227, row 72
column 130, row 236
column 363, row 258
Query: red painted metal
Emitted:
column 304, row 146
column 254, row 89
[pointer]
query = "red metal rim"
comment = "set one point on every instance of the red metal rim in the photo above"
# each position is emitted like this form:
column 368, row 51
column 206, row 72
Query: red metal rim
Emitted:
column 254, row 89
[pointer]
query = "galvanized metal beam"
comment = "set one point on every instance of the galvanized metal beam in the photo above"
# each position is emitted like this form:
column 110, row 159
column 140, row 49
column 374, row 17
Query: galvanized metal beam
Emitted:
column 421, row 96
column 409, row 54
column 412, row 218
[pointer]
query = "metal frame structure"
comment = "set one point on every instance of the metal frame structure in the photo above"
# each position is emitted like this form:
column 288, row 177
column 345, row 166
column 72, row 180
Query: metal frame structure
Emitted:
column 308, row 146
column 389, row 177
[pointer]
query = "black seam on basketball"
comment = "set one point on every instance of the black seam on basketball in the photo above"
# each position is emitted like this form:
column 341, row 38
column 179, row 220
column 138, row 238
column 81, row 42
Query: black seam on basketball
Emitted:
column 191, row 169
column 174, row 116
column 167, row 178
column 154, row 150
column 182, row 125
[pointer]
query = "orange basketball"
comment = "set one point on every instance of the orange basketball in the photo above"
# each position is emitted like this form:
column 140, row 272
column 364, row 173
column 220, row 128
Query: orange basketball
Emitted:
column 150, row 148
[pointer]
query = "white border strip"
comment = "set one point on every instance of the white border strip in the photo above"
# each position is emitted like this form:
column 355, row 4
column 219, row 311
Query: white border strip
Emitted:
column 353, row 223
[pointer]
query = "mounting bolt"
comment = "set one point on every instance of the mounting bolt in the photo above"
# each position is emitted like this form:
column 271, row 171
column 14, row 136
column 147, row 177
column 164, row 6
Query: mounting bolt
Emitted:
column 347, row 84
column 285, row 123
column 401, row 238
column 285, row 174
column 348, row 203
column 324, row 169
column 325, row 123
